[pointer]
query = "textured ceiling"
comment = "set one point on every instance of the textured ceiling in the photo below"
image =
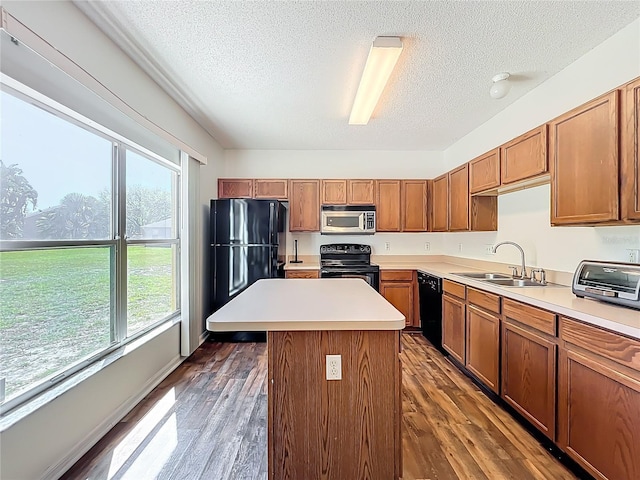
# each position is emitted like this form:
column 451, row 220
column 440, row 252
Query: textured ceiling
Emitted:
column 283, row 75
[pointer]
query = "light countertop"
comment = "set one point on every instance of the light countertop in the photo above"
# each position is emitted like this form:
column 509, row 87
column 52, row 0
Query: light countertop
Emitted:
column 307, row 304
column 556, row 298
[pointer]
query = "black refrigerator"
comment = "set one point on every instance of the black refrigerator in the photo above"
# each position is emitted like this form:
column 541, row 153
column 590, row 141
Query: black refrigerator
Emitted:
column 248, row 242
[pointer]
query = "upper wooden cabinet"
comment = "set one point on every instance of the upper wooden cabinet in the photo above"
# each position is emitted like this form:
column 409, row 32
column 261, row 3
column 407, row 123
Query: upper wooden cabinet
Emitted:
column 271, row 189
column 388, row 205
column 235, row 188
column 334, row 192
column 459, row 199
column 250, row 188
column 584, row 161
column 414, row 205
column 440, row 204
column 524, row 157
column 304, row 205
column 351, row 192
column 484, row 172
column 361, row 192
column 630, row 143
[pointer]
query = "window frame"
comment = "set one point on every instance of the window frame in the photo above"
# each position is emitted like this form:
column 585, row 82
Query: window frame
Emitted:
column 117, row 244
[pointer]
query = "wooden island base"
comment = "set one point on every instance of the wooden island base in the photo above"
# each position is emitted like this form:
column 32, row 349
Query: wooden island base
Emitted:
column 334, row 429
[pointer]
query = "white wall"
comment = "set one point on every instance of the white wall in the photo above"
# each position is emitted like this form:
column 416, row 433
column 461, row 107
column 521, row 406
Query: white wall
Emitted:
column 42, row 442
column 524, row 217
column 332, row 164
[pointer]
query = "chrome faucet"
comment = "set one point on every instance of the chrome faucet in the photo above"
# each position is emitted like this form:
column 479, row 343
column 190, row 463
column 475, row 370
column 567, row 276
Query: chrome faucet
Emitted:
column 523, row 272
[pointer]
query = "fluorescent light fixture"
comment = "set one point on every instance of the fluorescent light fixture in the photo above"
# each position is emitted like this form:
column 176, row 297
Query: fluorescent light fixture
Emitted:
column 382, row 58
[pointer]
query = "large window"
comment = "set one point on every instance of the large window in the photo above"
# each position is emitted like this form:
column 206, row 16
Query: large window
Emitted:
column 89, row 244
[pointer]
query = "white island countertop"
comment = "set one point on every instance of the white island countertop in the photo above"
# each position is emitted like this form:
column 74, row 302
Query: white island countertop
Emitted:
column 307, row 304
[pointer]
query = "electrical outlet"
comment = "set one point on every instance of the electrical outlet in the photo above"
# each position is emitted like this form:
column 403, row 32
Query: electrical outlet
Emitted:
column 334, row 367
column 387, row 246
column 459, row 247
column 489, row 250
column 633, row 255
column 427, row 246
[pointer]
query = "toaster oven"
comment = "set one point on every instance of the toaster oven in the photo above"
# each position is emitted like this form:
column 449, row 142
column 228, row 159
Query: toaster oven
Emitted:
column 612, row 282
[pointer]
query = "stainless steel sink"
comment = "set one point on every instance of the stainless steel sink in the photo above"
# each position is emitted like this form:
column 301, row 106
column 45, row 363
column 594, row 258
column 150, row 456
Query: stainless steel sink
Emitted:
column 484, row 276
column 514, row 282
column 501, row 279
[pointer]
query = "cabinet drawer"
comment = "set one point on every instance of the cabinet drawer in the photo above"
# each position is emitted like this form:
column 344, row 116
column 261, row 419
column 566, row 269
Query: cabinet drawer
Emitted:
column 613, row 346
column 393, row 275
column 302, row 274
column 486, row 300
column 531, row 316
column 453, row 288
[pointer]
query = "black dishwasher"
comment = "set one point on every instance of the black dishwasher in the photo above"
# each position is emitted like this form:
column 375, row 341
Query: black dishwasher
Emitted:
column 430, row 289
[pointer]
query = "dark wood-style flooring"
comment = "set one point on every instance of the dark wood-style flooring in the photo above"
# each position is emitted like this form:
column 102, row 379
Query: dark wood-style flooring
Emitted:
column 207, row 420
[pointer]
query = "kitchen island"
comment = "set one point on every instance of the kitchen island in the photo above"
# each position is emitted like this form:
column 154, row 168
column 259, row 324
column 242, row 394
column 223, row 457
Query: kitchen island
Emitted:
column 319, row 428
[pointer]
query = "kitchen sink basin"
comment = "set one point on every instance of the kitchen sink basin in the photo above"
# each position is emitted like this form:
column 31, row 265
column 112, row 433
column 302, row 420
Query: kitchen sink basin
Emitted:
column 485, row 276
column 501, row 279
column 514, row 282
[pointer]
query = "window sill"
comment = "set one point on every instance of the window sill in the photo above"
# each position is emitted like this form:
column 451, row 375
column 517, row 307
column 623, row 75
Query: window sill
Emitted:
column 20, row 412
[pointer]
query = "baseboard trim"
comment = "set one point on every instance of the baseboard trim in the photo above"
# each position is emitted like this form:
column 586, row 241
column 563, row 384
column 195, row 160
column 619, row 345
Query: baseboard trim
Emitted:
column 84, row 445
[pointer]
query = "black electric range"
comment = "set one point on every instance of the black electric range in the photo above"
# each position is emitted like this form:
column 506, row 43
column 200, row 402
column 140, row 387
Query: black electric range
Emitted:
column 348, row 260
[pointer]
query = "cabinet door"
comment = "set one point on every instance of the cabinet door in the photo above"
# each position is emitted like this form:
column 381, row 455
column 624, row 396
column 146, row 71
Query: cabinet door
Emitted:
column 630, row 142
column 483, row 346
column 388, row 203
column 459, row 199
column 302, row 274
column 529, row 376
column 484, row 172
column 525, row 156
column 304, row 205
column 361, row 192
column 440, row 204
column 271, row 189
column 583, row 157
column 599, row 416
column 414, row 206
column 334, row 192
column 453, row 327
column 235, row 188
column 400, row 295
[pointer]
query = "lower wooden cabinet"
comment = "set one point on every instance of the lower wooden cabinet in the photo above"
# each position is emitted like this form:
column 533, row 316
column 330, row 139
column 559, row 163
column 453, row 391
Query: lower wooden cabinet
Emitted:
column 599, row 400
column 483, row 346
column 302, row 274
column 529, row 375
column 454, row 321
column 399, row 288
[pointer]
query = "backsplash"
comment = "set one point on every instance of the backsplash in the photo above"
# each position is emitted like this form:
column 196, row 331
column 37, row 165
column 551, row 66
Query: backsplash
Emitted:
column 523, row 217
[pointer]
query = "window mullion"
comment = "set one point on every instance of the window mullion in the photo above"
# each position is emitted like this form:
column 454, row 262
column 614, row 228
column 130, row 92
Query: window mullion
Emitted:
column 120, row 324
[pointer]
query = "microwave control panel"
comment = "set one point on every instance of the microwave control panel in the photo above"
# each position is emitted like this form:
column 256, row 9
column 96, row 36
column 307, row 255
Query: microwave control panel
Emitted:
column 370, row 220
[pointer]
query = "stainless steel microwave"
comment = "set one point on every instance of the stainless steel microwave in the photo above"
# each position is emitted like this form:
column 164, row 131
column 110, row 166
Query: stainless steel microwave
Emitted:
column 348, row 220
